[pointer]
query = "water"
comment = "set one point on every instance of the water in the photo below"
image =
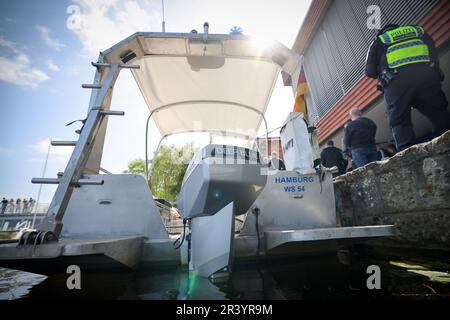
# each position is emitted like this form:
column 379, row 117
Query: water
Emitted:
column 404, row 274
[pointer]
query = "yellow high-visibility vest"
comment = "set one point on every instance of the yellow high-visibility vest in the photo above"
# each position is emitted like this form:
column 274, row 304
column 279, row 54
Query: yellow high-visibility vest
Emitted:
column 405, row 46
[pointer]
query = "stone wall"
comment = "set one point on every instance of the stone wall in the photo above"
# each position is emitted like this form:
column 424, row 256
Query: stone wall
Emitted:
column 411, row 190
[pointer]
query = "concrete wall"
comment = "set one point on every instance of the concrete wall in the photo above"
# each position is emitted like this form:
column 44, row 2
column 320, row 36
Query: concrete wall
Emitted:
column 411, row 191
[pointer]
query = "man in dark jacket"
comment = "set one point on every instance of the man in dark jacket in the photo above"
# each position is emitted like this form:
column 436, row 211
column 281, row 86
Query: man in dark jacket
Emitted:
column 359, row 136
column 332, row 156
column 405, row 60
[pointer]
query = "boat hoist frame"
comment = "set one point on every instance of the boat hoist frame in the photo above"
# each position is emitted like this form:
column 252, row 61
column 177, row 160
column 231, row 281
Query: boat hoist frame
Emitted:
column 95, row 123
column 158, row 146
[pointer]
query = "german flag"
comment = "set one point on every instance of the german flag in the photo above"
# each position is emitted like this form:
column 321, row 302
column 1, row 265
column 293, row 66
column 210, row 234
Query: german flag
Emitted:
column 302, row 89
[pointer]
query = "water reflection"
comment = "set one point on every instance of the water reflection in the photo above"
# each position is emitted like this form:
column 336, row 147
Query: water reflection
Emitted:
column 341, row 276
column 15, row 284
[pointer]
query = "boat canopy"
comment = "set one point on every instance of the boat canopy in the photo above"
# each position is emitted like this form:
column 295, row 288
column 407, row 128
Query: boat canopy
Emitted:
column 204, row 82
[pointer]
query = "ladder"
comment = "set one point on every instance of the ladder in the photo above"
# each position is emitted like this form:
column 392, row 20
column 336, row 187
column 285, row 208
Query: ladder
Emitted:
column 72, row 177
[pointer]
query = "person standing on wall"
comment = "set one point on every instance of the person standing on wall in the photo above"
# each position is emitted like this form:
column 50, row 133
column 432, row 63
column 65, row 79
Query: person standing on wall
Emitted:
column 31, row 204
column 346, row 152
column 24, row 205
column 11, row 205
column 4, row 205
column 359, row 136
column 405, row 60
column 18, row 205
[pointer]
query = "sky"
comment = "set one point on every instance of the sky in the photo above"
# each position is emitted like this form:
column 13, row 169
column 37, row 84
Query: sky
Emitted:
column 45, row 52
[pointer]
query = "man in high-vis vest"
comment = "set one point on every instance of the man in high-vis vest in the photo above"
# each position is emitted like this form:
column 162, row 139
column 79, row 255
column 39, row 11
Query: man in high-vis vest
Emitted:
column 405, row 61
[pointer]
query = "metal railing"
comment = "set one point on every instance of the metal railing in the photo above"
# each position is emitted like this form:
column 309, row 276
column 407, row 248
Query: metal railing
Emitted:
column 14, row 209
column 17, row 221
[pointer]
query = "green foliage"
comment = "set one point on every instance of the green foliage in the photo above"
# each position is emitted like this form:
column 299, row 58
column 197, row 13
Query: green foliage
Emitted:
column 136, row 167
column 168, row 170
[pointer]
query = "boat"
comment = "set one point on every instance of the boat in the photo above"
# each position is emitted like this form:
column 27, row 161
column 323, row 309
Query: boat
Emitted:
column 232, row 207
column 218, row 175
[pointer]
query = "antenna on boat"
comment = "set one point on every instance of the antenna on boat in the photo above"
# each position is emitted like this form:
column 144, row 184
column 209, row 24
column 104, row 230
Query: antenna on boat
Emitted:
column 205, row 32
column 163, row 21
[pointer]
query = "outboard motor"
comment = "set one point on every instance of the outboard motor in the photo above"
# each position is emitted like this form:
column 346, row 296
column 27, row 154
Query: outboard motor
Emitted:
column 218, row 175
column 220, row 182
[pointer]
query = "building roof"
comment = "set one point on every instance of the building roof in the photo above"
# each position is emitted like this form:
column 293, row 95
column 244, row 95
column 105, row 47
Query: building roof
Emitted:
column 313, row 17
column 316, row 11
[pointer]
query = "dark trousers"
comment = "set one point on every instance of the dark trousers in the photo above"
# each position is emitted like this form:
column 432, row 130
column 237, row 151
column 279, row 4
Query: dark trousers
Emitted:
column 415, row 86
column 364, row 155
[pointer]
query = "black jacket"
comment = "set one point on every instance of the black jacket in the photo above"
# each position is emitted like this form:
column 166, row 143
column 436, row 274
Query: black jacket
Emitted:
column 280, row 165
column 360, row 133
column 332, row 156
column 376, row 56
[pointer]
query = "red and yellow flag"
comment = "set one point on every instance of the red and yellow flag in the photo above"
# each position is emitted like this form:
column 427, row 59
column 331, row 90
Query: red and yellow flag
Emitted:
column 302, row 89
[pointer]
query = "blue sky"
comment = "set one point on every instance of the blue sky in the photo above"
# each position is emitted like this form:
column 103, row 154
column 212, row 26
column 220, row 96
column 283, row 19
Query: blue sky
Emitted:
column 43, row 64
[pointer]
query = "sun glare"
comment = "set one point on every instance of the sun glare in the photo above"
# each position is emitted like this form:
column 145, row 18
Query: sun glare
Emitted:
column 262, row 44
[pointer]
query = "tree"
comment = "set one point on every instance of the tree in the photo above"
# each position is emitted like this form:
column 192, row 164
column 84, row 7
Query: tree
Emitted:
column 168, row 170
column 136, row 167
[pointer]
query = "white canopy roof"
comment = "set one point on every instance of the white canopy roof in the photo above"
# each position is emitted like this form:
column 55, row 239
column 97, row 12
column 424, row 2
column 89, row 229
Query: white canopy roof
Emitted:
column 221, row 83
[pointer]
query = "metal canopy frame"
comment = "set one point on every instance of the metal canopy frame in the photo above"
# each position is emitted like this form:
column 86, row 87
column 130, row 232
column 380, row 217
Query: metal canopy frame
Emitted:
column 86, row 155
column 167, row 106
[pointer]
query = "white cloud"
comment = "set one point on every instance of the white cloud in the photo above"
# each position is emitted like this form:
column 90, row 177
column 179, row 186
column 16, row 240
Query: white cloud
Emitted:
column 16, row 68
column 72, row 71
column 57, row 154
column 9, row 45
column 52, row 66
column 51, row 42
column 106, row 22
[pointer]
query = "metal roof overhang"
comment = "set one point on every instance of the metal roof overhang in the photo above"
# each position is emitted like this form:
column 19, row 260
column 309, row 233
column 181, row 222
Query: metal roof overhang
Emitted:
column 204, row 82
